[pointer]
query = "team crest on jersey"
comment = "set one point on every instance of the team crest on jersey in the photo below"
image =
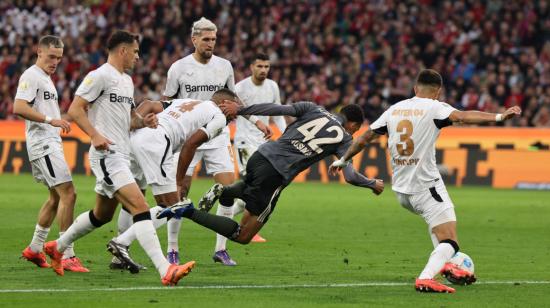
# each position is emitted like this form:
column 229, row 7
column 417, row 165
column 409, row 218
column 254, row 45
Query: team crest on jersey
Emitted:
column 189, row 73
column 23, row 85
column 88, row 81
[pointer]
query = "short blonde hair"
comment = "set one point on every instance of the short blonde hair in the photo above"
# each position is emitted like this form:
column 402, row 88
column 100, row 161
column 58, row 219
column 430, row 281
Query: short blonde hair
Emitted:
column 202, row 24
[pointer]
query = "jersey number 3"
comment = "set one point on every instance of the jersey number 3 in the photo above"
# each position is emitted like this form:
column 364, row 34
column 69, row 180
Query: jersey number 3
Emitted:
column 312, row 128
column 406, row 146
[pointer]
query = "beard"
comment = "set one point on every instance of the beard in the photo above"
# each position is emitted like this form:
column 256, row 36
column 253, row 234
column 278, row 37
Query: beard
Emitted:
column 206, row 54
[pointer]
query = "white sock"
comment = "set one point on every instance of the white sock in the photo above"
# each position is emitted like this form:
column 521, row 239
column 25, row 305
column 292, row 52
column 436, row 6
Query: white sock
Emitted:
column 220, row 239
column 69, row 252
column 238, row 206
column 173, row 227
column 124, row 221
column 39, row 238
column 440, row 255
column 129, row 235
column 80, row 227
column 147, row 237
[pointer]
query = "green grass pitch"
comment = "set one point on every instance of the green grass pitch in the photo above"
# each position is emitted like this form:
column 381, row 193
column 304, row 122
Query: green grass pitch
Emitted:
column 328, row 245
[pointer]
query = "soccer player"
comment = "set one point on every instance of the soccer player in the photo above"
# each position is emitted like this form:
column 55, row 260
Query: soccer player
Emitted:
column 198, row 76
column 314, row 135
column 108, row 94
column 36, row 101
column 256, row 89
column 413, row 126
column 183, row 126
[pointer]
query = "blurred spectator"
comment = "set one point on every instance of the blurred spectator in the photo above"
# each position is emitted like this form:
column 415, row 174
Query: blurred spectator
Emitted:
column 492, row 54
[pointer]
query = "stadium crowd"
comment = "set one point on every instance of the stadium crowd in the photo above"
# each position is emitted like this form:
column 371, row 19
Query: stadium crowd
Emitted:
column 492, row 54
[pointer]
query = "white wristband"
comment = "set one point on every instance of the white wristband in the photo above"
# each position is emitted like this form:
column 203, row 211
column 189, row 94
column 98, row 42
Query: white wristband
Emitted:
column 48, row 120
column 498, row 117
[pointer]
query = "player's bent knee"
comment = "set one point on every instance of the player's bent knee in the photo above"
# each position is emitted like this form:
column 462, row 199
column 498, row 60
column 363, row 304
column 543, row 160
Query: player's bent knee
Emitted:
column 452, row 243
column 97, row 222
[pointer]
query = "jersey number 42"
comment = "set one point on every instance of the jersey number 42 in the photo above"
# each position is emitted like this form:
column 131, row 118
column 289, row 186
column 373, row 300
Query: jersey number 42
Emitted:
column 311, row 129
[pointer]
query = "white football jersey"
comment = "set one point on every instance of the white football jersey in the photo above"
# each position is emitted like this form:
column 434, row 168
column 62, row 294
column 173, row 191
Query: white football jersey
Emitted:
column 37, row 88
column 413, row 126
column 188, row 78
column 111, row 97
column 251, row 94
column 185, row 116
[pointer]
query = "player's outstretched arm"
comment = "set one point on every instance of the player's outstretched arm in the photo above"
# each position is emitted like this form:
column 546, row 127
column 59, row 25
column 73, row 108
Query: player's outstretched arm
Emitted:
column 187, row 152
column 357, row 146
column 479, row 117
column 356, row 179
column 22, row 109
column 77, row 112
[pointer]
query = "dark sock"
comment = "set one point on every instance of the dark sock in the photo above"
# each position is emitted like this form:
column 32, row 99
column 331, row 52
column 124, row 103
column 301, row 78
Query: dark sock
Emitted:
column 219, row 224
column 230, row 192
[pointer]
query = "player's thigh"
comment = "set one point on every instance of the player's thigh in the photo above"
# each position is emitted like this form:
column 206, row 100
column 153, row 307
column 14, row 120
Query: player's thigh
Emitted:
column 250, row 226
column 219, row 160
column 434, row 205
column 112, row 172
column 263, row 187
column 130, row 197
column 66, row 191
column 51, row 169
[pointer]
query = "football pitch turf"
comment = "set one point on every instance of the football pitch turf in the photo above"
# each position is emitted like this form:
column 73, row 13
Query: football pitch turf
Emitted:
column 328, row 245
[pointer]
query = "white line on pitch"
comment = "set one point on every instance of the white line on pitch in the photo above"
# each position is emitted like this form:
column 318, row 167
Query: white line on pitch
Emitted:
column 289, row 286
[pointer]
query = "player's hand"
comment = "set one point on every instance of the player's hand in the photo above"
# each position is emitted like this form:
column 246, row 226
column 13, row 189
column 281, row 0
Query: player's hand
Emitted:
column 65, row 126
column 511, row 112
column 378, row 187
column 100, row 143
column 265, row 129
column 336, row 166
column 230, row 108
column 150, row 120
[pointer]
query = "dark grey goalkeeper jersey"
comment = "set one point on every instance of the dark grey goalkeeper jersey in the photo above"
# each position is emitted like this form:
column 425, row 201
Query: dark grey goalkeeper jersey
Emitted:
column 314, row 135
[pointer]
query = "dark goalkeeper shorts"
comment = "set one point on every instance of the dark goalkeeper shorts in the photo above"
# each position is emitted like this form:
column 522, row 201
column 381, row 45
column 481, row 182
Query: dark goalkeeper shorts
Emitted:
column 263, row 187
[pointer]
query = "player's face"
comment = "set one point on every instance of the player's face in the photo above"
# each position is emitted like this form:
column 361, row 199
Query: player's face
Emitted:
column 204, row 44
column 49, row 58
column 260, row 69
column 130, row 54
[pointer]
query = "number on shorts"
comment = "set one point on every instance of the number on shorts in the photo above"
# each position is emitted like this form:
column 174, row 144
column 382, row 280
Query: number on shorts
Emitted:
column 406, row 146
column 312, row 128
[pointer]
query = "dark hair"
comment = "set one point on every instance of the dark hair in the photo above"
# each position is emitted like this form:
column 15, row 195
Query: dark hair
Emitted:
column 353, row 113
column 121, row 37
column 260, row 56
column 224, row 93
column 429, row 77
column 51, row 40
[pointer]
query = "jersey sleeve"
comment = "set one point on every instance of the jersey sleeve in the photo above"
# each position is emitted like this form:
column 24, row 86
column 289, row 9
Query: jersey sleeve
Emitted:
column 27, row 88
column 343, row 147
column 91, row 87
column 230, row 82
column 279, row 120
column 442, row 111
column 172, row 84
column 215, row 126
column 380, row 126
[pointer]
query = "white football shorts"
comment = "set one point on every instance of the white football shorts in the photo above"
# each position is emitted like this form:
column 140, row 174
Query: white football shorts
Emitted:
column 433, row 204
column 51, row 169
column 217, row 160
column 153, row 160
column 112, row 172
